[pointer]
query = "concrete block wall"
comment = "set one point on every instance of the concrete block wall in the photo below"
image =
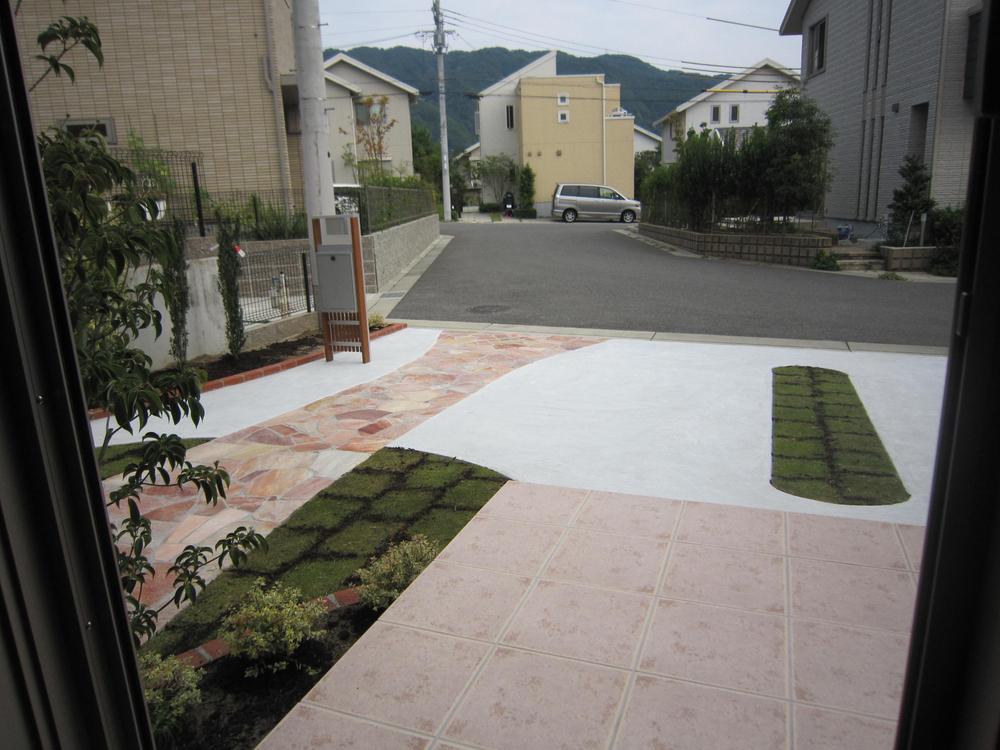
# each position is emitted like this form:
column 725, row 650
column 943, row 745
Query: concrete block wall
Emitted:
column 907, row 258
column 388, row 253
column 789, row 250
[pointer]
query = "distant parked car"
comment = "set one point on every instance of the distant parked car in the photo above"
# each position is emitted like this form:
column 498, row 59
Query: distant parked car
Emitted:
column 571, row 202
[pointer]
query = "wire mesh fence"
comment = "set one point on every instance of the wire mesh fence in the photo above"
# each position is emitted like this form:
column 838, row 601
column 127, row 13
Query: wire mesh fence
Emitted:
column 384, row 207
column 275, row 284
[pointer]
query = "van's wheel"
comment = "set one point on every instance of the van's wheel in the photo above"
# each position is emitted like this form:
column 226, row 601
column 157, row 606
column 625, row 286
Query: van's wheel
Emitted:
column 569, row 215
column 628, row 217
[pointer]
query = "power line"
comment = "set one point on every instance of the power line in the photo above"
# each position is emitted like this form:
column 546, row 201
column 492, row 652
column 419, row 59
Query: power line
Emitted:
column 692, row 15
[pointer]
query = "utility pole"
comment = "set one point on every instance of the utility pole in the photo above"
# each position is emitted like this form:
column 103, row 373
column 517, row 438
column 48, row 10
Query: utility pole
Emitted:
column 317, row 171
column 439, row 48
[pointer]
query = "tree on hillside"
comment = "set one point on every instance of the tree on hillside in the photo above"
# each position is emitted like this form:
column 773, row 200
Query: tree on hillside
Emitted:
column 426, row 154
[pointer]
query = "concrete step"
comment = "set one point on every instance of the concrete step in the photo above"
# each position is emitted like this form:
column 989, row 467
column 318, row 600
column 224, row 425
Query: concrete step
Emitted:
column 861, row 252
column 861, row 264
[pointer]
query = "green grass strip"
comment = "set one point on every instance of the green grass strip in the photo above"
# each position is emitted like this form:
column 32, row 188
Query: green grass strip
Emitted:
column 824, row 446
column 117, row 457
column 393, row 495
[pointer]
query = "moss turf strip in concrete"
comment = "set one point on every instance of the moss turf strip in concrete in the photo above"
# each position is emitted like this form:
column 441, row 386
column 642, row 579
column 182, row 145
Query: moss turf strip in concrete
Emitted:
column 392, row 496
column 117, row 457
column 824, row 446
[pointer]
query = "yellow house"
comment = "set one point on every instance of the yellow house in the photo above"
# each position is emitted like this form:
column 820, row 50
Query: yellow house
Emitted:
column 573, row 129
column 569, row 128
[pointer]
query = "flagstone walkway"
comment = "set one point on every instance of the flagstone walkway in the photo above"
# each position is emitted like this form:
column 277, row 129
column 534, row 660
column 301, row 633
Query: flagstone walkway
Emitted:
column 279, row 464
column 567, row 618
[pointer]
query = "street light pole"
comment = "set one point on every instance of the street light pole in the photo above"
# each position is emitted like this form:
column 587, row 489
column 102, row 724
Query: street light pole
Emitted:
column 439, row 49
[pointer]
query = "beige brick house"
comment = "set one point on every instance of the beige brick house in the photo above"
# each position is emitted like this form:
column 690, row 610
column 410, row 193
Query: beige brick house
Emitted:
column 186, row 75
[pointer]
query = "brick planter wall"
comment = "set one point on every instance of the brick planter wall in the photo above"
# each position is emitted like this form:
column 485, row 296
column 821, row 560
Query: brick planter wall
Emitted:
column 907, row 258
column 787, row 249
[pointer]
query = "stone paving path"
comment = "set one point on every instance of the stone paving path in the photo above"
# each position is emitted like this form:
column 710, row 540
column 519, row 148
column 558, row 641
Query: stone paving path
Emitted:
column 279, row 464
column 566, row 618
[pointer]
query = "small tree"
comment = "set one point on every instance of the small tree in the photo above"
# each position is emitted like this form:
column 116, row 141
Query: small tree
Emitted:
column 426, row 154
column 372, row 127
column 909, row 201
column 799, row 139
column 526, row 187
column 177, row 293
column 496, row 173
column 228, row 233
column 643, row 166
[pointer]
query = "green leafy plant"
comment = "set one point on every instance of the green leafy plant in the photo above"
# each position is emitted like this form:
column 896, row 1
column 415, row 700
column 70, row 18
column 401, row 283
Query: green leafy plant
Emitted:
column 910, row 201
column 376, row 321
column 643, row 166
column 525, row 213
column 111, row 258
column 269, row 626
column 228, row 234
column 150, row 166
column 386, row 577
column 497, row 173
column 891, row 276
column 526, row 187
column 177, row 292
column 64, row 35
column 825, row 261
column 171, row 690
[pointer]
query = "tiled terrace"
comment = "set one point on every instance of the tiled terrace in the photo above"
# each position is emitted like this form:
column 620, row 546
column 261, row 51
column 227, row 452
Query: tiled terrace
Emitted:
column 563, row 618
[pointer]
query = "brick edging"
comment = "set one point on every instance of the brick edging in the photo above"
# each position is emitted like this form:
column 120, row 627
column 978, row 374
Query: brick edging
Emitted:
column 210, row 651
column 260, row 372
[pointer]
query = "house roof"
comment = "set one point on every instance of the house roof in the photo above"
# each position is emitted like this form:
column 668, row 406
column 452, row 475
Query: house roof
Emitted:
column 648, row 133
column 791, row 24
column 343, row 84
column 519, row 73
column 767, row 62
column 341, row 57
column 469, row 150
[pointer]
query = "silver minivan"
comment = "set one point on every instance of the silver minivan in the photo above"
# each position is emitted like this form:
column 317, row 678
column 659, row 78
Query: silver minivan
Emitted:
column 572, row 201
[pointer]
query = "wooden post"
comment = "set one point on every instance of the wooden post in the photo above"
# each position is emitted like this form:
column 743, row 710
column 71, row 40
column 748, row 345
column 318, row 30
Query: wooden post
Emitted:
column 324, row 318
column 359, row 289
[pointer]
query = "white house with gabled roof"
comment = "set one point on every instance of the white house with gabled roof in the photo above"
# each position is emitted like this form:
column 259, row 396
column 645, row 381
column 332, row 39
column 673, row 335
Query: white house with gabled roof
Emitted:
column 740, row 102
column 349, row 85
column 645, row 140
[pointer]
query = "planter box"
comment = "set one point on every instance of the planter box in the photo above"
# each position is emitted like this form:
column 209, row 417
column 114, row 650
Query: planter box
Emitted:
column 908, row 258
column 785, row 249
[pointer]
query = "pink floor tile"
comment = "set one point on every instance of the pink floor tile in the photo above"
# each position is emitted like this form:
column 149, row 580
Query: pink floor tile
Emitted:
column 845, row 540
column 848, row 668
column 720, row 576
column 609, row 561
column 681, row 716
column 630, row 515
column 717, row 646
column 310, row 727
column 913, row 543
column 852, row 594
column 501, row 544
column 523, row 700
column 402, row 676
column 461, row 601
column 535, row 503
column 568, row 620
column 820, row 729
column 750, row 529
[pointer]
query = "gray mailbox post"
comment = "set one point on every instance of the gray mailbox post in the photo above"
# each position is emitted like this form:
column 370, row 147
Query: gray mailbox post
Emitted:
column 340, row 295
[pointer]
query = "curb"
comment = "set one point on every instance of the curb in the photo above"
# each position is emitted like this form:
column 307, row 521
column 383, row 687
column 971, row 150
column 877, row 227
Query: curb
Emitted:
column 260, row 372
column 215, row 649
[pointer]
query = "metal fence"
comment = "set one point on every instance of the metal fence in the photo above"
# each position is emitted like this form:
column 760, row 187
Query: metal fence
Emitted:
column 274, row 284
column 384, row 207
column 729, row 215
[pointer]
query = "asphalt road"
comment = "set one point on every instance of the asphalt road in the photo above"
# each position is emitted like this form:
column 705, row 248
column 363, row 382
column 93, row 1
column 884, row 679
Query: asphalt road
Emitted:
column 590, row 276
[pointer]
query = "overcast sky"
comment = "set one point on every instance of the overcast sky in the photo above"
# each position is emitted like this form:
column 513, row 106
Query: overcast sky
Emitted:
column 661, row 32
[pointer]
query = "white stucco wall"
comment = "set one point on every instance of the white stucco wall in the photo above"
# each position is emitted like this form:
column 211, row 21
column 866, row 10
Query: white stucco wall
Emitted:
column 494, row 135
column 644, row 143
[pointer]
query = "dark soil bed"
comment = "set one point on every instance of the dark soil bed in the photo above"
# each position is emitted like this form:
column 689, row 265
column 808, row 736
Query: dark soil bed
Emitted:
column 269, row 355
column 237, row 711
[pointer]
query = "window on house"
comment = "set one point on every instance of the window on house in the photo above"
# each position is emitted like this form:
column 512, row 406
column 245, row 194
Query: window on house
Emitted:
column 971, row 56
column 510, row 117
column 716, row 113
column 817, row 48
column 104, row 127
column 563, row 100
column 362, row 112
column 563, row 116
column 734, row 113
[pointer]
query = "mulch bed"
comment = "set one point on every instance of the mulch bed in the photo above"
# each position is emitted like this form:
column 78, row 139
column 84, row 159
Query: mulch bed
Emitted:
column 236, row 711
column 269, row 355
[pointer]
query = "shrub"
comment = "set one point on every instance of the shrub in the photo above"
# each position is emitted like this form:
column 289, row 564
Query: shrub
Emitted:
column 525, row 213
column 946, row 226
column 376, row 321
column 909, row 201
column 269, row 626
column 171, row 689
column 944, row 262
column 489, row 208
column 385, row 577
column 526, row 188
column 229, row 273
column 825, row 261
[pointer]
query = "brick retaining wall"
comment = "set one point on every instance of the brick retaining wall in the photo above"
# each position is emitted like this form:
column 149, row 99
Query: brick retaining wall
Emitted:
column 907, row 258
column 787, row 249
